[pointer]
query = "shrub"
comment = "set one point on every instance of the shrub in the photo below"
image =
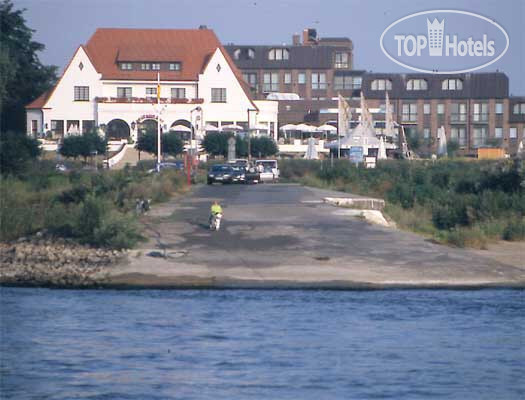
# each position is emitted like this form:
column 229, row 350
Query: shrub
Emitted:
column 16, row 151
column 515, row 230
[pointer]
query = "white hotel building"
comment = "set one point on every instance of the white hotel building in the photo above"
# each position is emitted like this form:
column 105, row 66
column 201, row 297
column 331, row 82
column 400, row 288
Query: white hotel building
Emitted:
column 111, row 82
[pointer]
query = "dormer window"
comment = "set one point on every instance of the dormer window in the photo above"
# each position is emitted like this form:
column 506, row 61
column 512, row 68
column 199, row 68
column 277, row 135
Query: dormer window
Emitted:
column 126, row 66
column 155, row 66
column 417, row 84
column 341, row 60
column 175, row 66
column 452, row 84
column 244, row 54
column 278, row 54
column 381, row 84
column 145, row 66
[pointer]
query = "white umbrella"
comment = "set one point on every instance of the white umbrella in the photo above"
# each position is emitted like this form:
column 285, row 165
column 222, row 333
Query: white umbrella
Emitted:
column 306, row 128
column 180, row 128
column 520, row 148
column 381, row 153
column 232, row 127
column 442, row 142
column 327, row 128
column 311, row 151
column 210, row 127
column 288, row 127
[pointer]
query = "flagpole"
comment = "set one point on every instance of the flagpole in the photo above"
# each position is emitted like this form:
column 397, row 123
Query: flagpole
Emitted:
column 158, row 123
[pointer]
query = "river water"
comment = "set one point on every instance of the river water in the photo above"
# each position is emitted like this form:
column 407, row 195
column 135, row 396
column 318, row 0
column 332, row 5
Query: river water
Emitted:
column 250, row 344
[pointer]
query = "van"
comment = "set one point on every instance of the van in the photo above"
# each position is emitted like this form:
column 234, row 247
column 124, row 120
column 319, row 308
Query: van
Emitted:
column 270, row 170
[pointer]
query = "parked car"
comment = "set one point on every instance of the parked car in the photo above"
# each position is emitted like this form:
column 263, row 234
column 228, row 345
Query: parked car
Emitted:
column 251, row 175
column 61, row 168
column 220, row 173
column 239, row 173
column 269, row 170
column 176, row 165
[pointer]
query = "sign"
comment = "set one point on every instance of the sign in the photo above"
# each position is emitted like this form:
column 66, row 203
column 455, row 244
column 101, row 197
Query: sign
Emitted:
column 356, row 154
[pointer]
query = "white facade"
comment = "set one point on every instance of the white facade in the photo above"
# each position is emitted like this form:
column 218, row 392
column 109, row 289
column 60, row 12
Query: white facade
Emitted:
column 104, row 104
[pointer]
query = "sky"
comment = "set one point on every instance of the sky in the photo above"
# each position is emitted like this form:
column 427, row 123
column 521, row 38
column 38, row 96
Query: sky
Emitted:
column 62, row 25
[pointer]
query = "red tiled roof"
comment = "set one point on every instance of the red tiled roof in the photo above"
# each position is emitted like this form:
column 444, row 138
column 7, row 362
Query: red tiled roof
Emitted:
column 107, row 46
column 40, row 101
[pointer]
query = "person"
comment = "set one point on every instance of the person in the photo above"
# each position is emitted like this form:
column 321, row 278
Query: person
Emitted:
column 215, row 209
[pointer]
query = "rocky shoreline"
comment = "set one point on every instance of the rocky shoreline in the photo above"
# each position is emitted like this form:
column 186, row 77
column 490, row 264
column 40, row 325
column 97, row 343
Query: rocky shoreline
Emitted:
column 55, row 262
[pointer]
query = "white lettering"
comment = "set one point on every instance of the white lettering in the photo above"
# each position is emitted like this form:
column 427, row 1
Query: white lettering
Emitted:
column 490, row 47
column 451, row 45
column 462, row 48
column 408, row 52
column 421, row 43
column 399, row 38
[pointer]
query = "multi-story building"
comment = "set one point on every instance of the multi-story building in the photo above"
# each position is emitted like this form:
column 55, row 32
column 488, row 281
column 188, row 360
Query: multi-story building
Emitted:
column 474, row 108
column 111, row 82
column 307, row 68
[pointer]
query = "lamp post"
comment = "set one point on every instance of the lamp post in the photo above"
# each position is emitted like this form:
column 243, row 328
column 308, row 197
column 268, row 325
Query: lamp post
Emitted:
column 249, row 135
column 190, row 149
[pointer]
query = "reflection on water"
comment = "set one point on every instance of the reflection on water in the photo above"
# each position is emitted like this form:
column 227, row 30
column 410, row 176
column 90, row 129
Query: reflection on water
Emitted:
column 262, row 344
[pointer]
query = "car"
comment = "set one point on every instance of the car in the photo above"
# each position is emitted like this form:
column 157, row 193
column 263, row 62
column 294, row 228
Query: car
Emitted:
column 61, row 168
column 251, row 175
column 270, row 170
column 220, row 173
column 176, row 165
column 239, row 174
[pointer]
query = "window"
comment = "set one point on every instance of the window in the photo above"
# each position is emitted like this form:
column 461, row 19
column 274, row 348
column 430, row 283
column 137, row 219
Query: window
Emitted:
column 519, row 109
column 145, row 66
column 498, row 132
column 278, row 54
column 126, row 66
column 178, row 93
column 34, row 126
column 301, row 78
column 155, row 66
column 480, row 136
column 513, row 133
column 381, row 84
column 287, row 78
column 441, row 109
column 452, row 84
column 459, row 135
column 81, row 93
column 409, row 112
column 250, row 78
column 318, row 80
column 343, row 82
column 357, row 82
column 57, row 127
column 271, row 82
column 481, row 112
column 151, row 92
column 458, row 112
column 174, row 66
column 341, row 60
column 426, row 133
column 88, row 125
column 124, row 92
column 218, row 95
column 73, row 126
column 244, row 54
column 417, row 84
column 499, row 108
column 426, row 108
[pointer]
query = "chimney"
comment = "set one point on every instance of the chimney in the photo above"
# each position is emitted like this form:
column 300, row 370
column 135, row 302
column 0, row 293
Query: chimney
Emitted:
column 305, row 36
column 309, row 36
column 296, row 39
column 203, row 27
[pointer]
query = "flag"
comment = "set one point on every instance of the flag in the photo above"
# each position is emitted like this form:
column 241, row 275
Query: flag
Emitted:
column 343, row 115
column 389, row 119
column 366, row 116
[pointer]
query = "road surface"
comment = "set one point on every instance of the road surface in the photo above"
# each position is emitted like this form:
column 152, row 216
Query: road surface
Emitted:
column 279, row 235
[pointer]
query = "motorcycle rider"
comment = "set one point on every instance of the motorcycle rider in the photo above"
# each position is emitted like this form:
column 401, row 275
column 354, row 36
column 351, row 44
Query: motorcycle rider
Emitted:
column 215, row 210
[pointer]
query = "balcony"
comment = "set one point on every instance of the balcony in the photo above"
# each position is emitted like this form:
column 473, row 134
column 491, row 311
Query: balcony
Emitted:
column 147, row 100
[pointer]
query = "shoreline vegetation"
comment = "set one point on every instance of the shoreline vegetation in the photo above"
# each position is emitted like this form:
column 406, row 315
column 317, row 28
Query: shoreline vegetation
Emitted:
column 455, row 202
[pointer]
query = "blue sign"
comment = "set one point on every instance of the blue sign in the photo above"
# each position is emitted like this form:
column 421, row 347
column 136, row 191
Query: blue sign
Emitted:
column 356, row 154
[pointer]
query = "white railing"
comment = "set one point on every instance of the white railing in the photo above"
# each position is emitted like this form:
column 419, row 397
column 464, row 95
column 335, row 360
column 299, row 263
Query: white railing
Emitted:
column 117, row 157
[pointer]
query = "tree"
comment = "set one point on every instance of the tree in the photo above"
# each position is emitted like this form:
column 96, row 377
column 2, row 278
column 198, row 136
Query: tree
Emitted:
column 263, row 147
column 85, row 145
column 22, row 75
column 16, row 150
column 452, row 148
column 216, row 143
column 170, row 142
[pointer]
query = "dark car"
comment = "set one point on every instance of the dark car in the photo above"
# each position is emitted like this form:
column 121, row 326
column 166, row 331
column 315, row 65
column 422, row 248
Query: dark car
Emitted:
column 239, row 173
column 220, row 173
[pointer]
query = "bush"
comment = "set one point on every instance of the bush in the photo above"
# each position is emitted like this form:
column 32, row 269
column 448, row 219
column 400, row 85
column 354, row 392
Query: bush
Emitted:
column 515, row 230
column 16, row 151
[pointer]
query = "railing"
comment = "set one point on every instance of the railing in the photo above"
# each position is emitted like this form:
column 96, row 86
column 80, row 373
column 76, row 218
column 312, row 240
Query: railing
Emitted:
column 147, row 100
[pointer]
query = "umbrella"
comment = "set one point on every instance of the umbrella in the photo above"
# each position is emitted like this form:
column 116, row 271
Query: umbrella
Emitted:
column 306, row 128
column 180, row 128
column 442, row 142
column 327, row 128
column 288, row 127
column 381, row 153
column 210, row 127
column 520, row 148
column 232, row 127
column 311, row 151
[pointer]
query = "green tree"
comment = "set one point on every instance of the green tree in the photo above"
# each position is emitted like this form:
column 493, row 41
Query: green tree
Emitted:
column 22, row 75
column 216, row 143
column 452, row 148
column 85, row 145
column 16, row 150
column 263, row 147
column 170, row 142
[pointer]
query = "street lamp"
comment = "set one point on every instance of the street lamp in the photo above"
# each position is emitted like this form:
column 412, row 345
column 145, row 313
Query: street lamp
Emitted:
column 190, row 149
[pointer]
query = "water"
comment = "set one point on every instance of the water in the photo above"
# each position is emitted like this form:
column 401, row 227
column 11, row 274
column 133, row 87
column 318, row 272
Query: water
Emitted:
column 60, row 344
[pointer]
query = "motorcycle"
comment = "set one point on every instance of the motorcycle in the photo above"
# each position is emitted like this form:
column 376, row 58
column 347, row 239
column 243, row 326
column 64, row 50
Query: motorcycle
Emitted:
column 215, row 222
